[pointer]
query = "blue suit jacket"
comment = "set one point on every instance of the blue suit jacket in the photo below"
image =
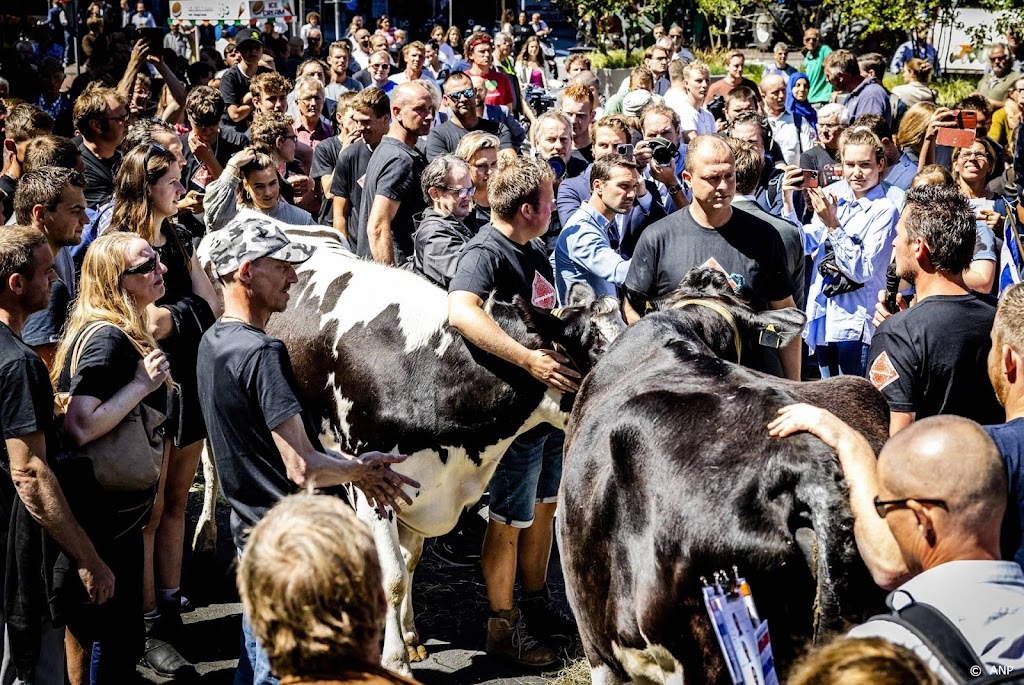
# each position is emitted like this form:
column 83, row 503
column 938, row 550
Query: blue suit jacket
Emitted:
column 573, row 192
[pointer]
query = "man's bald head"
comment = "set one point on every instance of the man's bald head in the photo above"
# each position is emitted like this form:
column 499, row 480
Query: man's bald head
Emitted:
column 952, row 459
column 408, row 93
column 770, row 80
column 707, row 149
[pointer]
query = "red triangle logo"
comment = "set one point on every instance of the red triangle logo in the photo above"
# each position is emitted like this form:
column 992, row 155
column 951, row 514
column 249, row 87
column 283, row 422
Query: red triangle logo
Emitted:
column 543, row 292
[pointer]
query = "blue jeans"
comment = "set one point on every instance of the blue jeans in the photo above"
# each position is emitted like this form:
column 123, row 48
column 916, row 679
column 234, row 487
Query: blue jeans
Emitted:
column 253, row 664
column 528, row 474
column 847, row 358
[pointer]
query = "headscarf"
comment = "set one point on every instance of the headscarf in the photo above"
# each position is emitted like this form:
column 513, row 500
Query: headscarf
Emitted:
column 801, row 109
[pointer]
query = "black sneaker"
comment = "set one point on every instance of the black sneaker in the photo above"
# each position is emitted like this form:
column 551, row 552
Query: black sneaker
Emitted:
column 547, row 620
column 457, row 550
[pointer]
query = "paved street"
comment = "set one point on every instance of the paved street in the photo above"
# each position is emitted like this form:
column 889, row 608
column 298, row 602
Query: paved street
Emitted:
column 451, row 612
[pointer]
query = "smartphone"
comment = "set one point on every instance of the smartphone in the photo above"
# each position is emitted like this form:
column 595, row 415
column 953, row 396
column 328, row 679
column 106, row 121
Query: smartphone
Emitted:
column 955, row 137
column 155, row 38
column 833, row 173
column 967, row 119
column 624, row 149
column 810, row 178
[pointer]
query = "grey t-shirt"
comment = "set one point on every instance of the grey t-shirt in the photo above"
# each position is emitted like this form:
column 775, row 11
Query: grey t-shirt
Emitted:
column 445, row 137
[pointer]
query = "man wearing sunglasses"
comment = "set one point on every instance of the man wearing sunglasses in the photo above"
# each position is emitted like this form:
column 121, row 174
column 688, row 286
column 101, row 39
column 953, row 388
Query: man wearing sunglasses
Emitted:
column 460, row 98
column 996, row 84
column 927, row 518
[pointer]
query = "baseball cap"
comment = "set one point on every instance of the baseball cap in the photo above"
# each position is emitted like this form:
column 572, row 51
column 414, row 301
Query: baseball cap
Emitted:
column 248, row 36
column 248, row 238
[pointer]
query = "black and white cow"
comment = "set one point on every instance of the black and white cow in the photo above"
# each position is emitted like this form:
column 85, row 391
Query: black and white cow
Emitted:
column 381, row 369
column 669, row 475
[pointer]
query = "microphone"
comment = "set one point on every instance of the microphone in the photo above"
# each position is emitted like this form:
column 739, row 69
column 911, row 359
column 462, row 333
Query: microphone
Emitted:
column 892, row 289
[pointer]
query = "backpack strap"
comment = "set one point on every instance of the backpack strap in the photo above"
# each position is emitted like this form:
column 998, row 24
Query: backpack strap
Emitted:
column 942, row 638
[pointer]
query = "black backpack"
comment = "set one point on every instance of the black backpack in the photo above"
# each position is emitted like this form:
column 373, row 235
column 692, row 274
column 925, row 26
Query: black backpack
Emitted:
column 949, row 646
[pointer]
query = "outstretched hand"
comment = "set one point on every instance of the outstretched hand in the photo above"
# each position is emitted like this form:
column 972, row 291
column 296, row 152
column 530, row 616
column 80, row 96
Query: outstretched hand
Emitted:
column 382, row 486
column 806, row 418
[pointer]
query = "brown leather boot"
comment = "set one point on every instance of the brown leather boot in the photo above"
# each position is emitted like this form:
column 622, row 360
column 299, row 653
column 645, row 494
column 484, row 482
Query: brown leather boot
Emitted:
column 507, row 636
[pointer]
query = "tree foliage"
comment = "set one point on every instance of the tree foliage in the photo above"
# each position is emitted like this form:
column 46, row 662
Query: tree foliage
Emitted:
column 604, row 17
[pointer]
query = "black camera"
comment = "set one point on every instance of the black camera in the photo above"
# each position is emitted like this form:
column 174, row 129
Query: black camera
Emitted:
column 539, row 99
column 717, row 107
column 663, row 152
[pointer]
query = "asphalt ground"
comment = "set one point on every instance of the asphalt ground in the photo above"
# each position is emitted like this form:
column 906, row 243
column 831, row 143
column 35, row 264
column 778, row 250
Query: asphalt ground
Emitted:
column 450, row 605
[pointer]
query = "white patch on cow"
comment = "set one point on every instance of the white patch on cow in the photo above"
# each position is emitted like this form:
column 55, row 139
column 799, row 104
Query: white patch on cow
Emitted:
column 604, row 675
column 654, row 664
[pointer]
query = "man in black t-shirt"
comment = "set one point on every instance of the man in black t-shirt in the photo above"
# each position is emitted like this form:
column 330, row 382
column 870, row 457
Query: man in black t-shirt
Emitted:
column 932, row 358
column 711, row 232
column 23, row 124
column 26, row 418
column 506, row 259
column 52, row 201
column 371, row 112
column 263, row 444
column 234, row 84
column 460, row 96
column 209, row 145
column 391, row 191
column 101, row 117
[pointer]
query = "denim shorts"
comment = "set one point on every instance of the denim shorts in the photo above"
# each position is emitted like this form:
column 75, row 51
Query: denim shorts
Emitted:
column 528, row 474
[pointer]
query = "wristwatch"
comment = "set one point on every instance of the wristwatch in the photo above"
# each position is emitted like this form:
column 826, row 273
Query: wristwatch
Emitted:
column 672, row 190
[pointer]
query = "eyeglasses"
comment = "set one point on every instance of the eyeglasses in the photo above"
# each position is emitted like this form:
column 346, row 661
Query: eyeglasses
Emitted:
column 380, row 66
column 999, row 58
column 973, row 155
column 460, row 94
column 462, row 192
column 147, row 267
column 883, row 507
column 122, row 119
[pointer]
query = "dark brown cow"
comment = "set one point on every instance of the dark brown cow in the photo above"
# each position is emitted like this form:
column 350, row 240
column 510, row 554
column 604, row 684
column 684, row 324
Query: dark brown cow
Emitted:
column 670, row 475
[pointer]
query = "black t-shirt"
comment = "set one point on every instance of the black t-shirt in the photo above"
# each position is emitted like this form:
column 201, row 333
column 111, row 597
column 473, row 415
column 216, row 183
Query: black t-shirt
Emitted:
column 933, row 358
column 445, row 137
column 107, row 364
column 349, row 176
column 233, row 87
column 491, row 262
column 394, row 171
column 746, row 248
column 195, row 175
column 7, row 187
column 325, row 157
column 99, row 176
column 247, row 389
column 829, row 169
column 26, row 397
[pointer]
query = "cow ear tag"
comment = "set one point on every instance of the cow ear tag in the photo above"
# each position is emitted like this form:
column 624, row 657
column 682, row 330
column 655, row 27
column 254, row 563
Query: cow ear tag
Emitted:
column 769, row 337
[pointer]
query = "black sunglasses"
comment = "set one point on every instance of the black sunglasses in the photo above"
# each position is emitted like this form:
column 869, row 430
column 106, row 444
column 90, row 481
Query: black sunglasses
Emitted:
column 154, row 148
column 883, row 507
column 147, row 267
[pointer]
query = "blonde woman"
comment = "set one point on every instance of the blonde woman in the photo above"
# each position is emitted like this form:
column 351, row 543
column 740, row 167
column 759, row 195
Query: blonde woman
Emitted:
column 119, row 366
column 250, row 180
column 479, row 149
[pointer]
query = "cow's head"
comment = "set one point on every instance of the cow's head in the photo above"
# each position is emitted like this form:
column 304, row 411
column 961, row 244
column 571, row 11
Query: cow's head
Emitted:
column 582, row 330
column 723, row 322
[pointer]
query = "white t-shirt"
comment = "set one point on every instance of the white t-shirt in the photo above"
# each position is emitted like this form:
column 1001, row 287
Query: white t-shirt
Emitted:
column 793, row 143
column 690, row 118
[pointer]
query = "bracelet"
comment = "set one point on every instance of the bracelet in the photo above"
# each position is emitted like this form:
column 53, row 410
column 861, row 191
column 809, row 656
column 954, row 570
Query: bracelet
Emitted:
column 672, row 190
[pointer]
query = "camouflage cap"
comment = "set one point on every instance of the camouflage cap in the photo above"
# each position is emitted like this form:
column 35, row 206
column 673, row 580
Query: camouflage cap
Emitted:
column 247, row 239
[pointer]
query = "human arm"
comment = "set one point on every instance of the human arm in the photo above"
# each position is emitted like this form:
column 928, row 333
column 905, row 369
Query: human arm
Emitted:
column 570, row 197
column 202, row 286
column 340, row 218
column 466, row 315
column 175, row 91
column 204, row 154
column 874, row 539
column 629, row 313
column 980, row 275
column 588, row 248
column 138, row 57
column 941, row 118
column 438, row 248
column 38, row 489
column 790, row 354
column 378, row 228
column 894, row 368
column 239, row 104
column 88, row 418
column 310, row 468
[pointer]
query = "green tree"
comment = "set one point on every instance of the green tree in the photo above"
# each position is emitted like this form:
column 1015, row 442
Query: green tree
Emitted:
column 635, row 15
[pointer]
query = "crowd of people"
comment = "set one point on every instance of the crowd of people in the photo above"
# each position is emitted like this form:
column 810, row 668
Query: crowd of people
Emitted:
column 892, row 222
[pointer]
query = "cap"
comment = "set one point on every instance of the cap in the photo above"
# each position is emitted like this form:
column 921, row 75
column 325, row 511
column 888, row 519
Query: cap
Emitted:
column 635, row 101
column 248, row 238
column 248, row 36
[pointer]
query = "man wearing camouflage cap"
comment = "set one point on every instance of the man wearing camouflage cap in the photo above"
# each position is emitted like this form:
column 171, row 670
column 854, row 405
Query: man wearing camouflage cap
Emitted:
column 264, row 446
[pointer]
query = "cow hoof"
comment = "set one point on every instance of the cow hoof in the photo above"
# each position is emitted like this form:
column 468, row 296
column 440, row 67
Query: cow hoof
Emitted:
column 417, row 653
